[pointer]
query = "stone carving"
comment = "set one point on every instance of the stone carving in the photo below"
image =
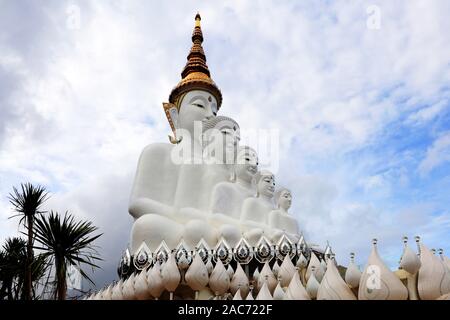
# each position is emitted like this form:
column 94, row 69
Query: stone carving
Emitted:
column 239, row 282
column 197, row 276
column 255, row 210
column 434, row 276
column 333, row 287
column 385, row 285
column 352, row 274
column 280, row 220
column 228, row 196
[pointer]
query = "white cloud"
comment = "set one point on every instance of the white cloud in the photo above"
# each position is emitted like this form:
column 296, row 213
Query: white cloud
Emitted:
column 437, row 154
column 428, row 113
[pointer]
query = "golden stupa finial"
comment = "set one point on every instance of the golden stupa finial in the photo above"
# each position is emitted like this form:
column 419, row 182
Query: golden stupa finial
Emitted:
column 197, row 19
column 195, row 75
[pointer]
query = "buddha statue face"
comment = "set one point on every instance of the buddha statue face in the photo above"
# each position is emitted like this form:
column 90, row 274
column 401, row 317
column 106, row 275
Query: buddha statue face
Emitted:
column 221, row 137
column 196, row 106
column 231, row 137
column 265, row 183
column 247, row 163
column 284, row 199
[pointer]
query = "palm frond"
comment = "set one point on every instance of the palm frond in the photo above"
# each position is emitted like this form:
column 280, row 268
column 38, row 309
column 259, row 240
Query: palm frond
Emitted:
column 28, row 201
column 67, row 241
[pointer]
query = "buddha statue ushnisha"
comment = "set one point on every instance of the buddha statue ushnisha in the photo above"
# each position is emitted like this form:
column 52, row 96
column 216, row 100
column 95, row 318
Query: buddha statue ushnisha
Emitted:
column 195, row 98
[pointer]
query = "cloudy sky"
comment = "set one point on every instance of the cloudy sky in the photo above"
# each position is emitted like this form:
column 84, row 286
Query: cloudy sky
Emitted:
column 358, row 91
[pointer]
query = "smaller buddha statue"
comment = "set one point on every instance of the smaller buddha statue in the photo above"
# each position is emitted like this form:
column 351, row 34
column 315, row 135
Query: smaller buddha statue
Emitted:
column 228, row 196
column 280, row 221
column 255, row 210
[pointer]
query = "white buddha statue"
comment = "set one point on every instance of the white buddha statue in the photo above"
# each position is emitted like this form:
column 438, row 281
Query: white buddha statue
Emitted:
column 280, row 220
column 190, row 189
column 228, row 196
column 159, row 177
column 152, row 201
column 221, row 143
column 220, row 140
column 255, row 210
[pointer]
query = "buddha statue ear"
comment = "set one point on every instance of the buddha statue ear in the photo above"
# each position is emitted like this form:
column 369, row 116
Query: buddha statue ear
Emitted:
column 171, row 112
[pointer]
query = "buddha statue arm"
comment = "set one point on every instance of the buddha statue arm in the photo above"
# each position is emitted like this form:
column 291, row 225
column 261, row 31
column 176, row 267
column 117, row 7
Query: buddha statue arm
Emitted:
column 218, row 219
column 220, row 199
column 141, row 206
column 220, row 206
column 251, row 215
column 153, row 185
column 282, row 224
column 273, row 219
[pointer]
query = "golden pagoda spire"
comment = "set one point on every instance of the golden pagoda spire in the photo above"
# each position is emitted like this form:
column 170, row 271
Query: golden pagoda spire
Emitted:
column 195, row 75
column 197, row 19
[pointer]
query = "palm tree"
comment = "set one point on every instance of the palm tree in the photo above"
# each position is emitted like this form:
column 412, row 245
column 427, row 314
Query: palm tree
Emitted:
column 13, row 258
column 66, row 242
column 27, row 204
column 12, row 264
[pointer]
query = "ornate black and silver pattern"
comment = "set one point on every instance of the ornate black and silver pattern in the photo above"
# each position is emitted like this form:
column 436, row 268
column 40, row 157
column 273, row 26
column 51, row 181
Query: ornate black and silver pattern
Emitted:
column 142, row 257
column 203, row 250
column 125, row 263
column 243, row 253
column 183, row 256
column 264, row 250
column 285, row 247
column 162, row 253
column 223, row 252
column 301, row 246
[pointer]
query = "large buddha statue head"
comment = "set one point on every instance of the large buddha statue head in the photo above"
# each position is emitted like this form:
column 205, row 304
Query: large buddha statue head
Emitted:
column 283, row 198
column 265, row 183
column 195, row 106
column 246, row 164
column 196, row 96
column 221, row 137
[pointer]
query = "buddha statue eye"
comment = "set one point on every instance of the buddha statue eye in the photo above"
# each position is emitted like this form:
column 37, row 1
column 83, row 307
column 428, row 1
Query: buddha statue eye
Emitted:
column 199, row 105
